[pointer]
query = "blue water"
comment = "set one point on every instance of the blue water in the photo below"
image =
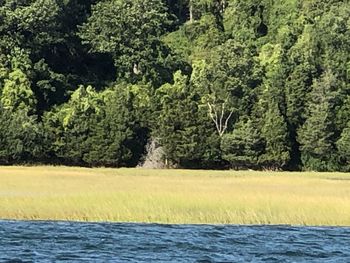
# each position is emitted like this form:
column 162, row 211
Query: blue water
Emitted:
column 106, row 242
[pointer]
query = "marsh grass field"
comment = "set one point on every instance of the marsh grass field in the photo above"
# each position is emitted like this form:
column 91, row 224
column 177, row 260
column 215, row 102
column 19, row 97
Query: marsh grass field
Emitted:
column 174, row 196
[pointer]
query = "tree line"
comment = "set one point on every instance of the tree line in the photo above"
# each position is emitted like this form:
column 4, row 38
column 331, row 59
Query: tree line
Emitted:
column 253, row 84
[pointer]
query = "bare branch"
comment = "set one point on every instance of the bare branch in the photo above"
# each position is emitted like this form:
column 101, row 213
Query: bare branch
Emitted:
column 221, row 123
column 226, row 123
column 211, row 111
column 222, row 115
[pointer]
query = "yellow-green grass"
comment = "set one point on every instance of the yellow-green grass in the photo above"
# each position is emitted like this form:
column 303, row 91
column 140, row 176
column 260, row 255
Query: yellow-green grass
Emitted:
column 174, row 196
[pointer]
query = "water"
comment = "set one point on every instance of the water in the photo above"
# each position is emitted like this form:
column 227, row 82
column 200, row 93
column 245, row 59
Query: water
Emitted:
column 105, row 242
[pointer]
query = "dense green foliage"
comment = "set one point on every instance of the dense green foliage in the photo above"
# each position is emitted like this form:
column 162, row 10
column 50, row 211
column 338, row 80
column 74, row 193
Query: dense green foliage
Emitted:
column 255, row 84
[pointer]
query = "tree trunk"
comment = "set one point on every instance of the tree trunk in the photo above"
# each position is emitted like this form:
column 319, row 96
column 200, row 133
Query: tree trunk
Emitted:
column 191, row 10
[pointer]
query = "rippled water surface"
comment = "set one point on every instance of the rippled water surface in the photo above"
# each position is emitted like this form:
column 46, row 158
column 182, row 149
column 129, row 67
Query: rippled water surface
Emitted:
column 96, row 242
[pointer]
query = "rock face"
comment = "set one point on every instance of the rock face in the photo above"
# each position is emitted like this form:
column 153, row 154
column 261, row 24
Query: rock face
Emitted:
column 154, row 158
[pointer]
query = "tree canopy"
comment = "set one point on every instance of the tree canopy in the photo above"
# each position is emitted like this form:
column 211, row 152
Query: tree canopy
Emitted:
column 254, row 84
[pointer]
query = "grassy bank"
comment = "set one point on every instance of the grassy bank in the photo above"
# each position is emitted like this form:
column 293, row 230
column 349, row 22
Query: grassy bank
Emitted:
column 175, row 196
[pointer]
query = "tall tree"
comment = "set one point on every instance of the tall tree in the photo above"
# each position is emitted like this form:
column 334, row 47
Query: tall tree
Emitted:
column 227, row 82
column 185, row 132
column 95, row 128
column 130, row 31
column 243, row 146
column 275, row 134
column 17, row 94
column 316, row 135
column 22, row 139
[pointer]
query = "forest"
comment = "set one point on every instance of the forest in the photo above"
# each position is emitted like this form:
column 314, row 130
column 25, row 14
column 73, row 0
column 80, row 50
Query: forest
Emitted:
column 197, row 84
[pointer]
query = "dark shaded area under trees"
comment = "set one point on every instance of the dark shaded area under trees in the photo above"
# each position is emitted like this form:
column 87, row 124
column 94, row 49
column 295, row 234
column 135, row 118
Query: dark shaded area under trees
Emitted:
column 253, row 84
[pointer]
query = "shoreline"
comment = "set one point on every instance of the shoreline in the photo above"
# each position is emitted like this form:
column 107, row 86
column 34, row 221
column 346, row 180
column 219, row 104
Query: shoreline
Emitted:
column 168, row 224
